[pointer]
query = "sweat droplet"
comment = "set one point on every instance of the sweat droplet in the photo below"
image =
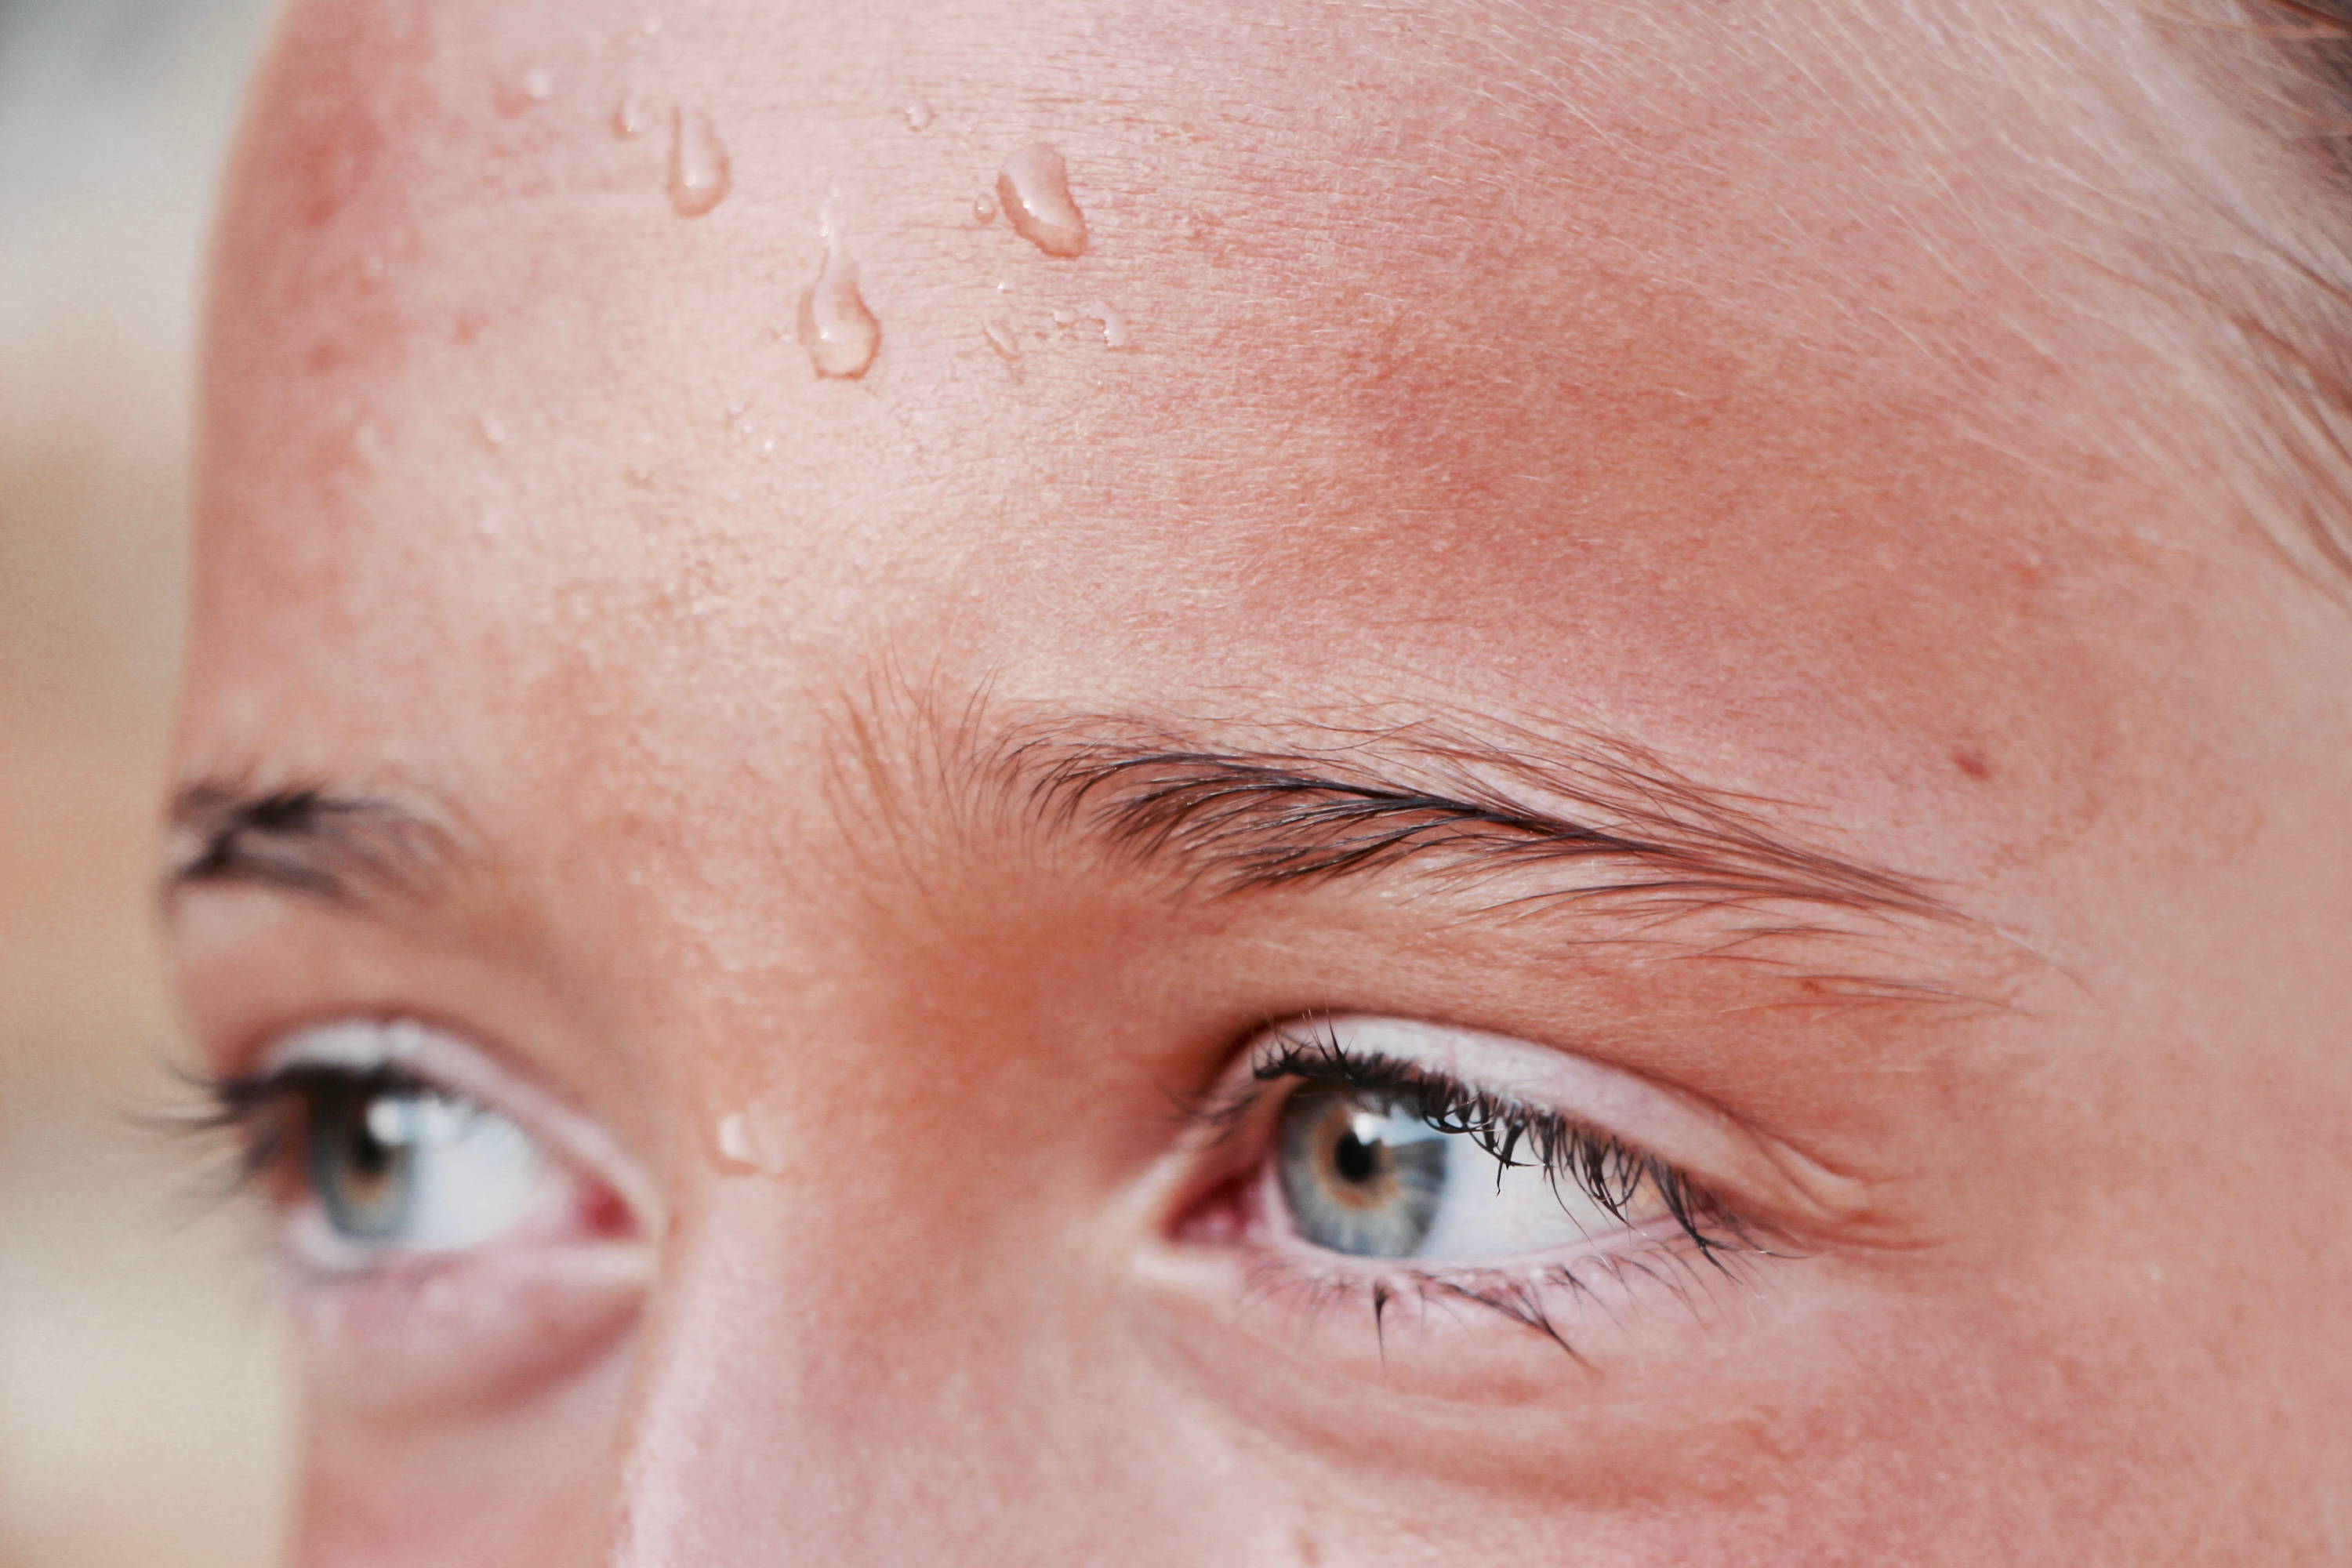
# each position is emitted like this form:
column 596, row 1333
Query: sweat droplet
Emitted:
column 1114, row 325
column 836, row 329
column 628, row 119
column 984, row 209
column 539, row 84
column 1034, row 190
column 918, row 117
column 748, row 1145
column 698, row 163
column 734, row 1139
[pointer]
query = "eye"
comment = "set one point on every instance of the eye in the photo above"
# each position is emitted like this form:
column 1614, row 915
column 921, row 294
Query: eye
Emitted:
column 456, row 1237
column 381, row 1141
column 1382, row 1174
column 1422, row 1169
column 1398, row 1141
column 394, row 1162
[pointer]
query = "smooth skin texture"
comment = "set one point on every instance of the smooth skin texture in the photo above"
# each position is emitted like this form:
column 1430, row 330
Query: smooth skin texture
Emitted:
column 1758, row 396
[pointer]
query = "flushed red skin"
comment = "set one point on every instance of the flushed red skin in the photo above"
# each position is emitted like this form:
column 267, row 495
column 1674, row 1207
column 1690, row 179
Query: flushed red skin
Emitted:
column 1736, row 389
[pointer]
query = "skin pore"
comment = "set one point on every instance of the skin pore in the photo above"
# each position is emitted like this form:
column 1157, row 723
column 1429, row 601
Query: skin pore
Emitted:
column 1675, row 538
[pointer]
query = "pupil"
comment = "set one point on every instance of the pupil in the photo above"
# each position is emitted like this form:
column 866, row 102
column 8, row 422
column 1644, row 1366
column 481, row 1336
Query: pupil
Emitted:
column 369, row 1155
column 1360, row 1173
column 1358, row 1160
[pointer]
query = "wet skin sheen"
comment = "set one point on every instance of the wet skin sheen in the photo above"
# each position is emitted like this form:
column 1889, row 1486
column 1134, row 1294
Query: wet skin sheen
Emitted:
column 705, row 573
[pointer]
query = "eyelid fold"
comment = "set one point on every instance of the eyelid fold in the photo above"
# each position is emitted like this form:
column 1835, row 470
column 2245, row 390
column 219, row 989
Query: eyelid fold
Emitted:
column 1765, row 1179
column 440, row 1059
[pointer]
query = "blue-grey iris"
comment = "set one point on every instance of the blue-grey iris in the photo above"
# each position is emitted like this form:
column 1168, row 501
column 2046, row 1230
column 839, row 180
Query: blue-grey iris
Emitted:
column 362, row 1157
column 1362, row 1177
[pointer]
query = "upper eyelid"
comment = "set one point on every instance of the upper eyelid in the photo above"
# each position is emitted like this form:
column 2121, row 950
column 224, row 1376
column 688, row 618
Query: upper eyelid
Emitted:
column 1371, row 1071
column 1567, row 1147
column 1761, row 1178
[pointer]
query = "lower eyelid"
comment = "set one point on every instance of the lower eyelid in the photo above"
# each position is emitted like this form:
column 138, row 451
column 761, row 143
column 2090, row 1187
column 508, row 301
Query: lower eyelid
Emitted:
column 436, row 1333
column 1267, row 1225
column 1567, row 1303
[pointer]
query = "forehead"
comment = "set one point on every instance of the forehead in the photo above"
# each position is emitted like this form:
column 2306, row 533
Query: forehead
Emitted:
column 1625, row 365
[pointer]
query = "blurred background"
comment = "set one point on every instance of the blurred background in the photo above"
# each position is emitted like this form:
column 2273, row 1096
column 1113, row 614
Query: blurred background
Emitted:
column 140, row 1401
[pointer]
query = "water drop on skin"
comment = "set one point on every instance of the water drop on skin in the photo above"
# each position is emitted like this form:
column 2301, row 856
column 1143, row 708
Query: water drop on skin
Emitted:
column 734, row 1140
column 493, row 433
column 918, row 117
column 698, row 163
column 1115, row 331
column 539, row 84
column 628, row 119
column 749, row 1146
column 839, row 333
column 983, row 210
column 1034, row 190
column 753, row 1141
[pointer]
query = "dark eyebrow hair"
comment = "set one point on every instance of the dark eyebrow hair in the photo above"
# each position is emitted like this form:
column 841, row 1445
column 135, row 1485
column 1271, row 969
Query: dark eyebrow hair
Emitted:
column 1240, row 818
column 302, row 839
column 1227, row 818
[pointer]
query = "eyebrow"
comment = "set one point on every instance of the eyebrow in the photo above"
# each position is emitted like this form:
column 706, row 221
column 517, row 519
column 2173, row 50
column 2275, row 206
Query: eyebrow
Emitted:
column 308, row 840
column 1225, row 819
column 1237, row 819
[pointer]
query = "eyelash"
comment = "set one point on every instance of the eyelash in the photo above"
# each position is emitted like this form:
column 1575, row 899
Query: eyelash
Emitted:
column 1598, row 1165
column 269, row 1113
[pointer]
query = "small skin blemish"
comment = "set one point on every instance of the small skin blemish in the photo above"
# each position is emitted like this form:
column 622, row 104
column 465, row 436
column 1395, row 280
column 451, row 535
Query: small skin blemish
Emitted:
column 1972, row 763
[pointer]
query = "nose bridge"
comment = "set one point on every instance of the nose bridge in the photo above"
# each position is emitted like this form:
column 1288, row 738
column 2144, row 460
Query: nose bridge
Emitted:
column 806, row 1399
column 894, row 1324
column 746, row 1441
